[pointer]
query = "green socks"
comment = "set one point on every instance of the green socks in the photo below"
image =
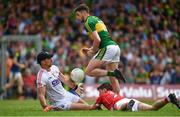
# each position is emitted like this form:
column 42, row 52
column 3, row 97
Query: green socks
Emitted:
column 110, row 73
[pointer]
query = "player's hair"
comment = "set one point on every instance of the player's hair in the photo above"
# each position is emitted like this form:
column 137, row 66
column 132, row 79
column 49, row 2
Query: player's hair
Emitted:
column 82, row 7
column 106, row 86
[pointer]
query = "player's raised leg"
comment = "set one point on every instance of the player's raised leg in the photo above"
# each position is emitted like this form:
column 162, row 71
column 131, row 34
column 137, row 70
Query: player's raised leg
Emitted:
column 93, row 68
column 113, row 80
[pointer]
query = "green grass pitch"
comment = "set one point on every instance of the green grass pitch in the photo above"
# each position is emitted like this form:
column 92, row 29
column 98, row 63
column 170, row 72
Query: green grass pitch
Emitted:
column 32, row 108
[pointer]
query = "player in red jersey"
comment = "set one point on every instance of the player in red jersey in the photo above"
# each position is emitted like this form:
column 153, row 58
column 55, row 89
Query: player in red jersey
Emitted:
column 107, row 97
column 113, row 101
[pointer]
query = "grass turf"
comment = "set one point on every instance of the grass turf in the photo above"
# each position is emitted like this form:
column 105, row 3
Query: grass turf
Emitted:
column 33, row 108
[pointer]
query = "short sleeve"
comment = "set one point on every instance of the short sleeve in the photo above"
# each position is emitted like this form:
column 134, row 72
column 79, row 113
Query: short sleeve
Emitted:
column 41, row 79
column 55, row 71
column 90, row 26
column 98, row 101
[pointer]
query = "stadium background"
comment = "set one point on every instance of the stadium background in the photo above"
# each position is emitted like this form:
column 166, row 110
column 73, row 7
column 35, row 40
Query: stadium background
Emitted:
column 147, row 32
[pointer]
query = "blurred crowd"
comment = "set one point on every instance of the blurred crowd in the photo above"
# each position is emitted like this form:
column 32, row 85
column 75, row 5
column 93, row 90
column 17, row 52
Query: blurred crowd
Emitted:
column 147, row 32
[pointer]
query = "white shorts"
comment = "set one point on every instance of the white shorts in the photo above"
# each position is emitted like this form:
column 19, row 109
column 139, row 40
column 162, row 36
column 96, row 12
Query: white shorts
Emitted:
column 15, row 75
column 111, row 53
column 65, row 103
column 123, row 101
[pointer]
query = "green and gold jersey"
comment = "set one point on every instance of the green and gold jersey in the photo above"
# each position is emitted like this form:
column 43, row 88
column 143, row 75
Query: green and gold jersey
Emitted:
column 94, row 23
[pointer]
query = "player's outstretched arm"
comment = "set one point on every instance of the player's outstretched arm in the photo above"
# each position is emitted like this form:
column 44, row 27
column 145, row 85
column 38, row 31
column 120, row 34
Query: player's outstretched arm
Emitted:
column 77, row 88
column 96, row 107
column 41, row 96
column 67, row 80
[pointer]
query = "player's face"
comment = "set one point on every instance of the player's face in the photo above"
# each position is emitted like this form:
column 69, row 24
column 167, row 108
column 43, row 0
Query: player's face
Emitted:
column 79, row 16
column 102, row 91
column 48, row 62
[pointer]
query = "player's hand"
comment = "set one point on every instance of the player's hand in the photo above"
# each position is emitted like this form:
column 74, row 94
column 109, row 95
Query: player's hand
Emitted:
column 80, row 89
column 85, row 51
column 96, row 107
column 93, row 107
column 88, row 51
column 48, row 108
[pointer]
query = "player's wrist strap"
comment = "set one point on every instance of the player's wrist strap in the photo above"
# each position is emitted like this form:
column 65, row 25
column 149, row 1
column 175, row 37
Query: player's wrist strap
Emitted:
column 75, row 87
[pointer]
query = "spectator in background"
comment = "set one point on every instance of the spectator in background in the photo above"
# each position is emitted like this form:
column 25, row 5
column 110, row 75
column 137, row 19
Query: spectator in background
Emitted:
column 29, row 84
column 156, row 75
column 176, row 76
column 129, row 73
column 142, row 76
column 168, row 72
column 1, row 30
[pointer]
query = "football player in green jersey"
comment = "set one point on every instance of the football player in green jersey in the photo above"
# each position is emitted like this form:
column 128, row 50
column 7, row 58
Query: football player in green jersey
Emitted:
column 104, row 49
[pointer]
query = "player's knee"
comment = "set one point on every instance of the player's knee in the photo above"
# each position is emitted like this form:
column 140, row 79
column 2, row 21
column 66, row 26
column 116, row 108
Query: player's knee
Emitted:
column 87, row 72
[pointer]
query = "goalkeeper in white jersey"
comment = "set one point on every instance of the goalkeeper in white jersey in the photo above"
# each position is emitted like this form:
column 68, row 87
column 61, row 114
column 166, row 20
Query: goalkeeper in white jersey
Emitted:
column 49, row 80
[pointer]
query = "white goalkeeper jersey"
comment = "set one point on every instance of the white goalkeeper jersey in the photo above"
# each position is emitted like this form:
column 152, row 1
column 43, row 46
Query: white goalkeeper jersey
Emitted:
column 51, row 79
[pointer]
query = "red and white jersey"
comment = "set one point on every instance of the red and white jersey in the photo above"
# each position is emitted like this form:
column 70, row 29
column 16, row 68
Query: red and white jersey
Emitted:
column 108, row 99
column 52, row 81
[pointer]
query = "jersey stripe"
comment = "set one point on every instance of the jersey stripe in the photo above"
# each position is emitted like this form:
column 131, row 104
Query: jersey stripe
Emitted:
column 87, row 26
column 100, row 27
column 40, row 77
column 101, row 54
